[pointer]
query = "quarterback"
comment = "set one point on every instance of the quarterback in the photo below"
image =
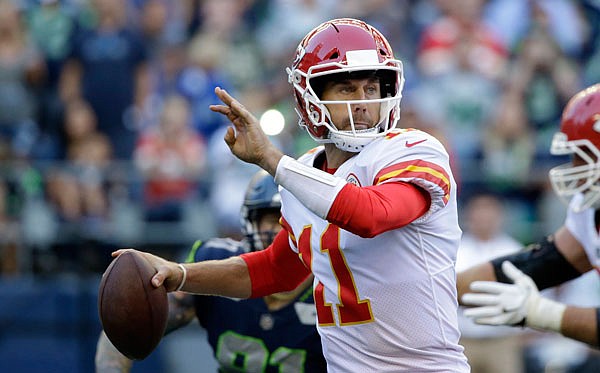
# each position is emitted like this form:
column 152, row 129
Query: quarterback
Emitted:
column 371, row 212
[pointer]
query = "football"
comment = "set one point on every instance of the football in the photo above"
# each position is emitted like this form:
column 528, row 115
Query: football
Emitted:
column 132, row 311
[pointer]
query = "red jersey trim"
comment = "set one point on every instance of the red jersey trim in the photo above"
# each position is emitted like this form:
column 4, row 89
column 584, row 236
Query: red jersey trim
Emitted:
column 418, row 169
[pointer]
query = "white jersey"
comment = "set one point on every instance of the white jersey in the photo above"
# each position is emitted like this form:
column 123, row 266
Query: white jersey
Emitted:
column 388, row 303
column 582, row 226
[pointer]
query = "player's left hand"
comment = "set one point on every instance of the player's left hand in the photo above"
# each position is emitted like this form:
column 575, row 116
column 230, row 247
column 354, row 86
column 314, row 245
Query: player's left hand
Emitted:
column 519, row 303
column 501, row 304
column 246, row 139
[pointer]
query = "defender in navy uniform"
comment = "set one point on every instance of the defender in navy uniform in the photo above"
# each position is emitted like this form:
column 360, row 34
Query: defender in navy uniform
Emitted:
column 275, row 333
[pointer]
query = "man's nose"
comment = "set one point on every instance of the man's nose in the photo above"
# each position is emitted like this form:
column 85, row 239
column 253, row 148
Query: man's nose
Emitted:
column 359, row 106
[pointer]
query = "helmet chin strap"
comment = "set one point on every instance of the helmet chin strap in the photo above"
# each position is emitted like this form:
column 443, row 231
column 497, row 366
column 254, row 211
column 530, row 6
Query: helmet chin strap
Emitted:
column 354, row 140
column 348, row 142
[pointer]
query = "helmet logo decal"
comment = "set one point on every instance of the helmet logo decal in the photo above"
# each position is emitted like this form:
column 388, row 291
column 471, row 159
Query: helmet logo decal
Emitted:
column 300, row 52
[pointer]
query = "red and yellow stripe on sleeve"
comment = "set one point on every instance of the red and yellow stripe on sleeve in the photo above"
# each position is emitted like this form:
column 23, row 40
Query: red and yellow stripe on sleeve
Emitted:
column 417, row 169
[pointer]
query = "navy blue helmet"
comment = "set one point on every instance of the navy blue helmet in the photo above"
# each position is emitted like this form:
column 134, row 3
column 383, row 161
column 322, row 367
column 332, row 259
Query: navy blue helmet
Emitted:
column 262, row 195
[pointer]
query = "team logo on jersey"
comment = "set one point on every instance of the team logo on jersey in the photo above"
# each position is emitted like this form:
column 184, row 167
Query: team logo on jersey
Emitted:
column 353, row 179
column 266, row 321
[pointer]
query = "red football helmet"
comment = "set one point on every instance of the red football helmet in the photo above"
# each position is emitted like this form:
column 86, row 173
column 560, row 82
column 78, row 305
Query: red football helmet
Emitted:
column 350, row 46
column 580, row 136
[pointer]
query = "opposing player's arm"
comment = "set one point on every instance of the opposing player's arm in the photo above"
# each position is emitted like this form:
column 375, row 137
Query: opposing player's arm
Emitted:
column 108, row 359
column 520, row 303
column 181, row 311
column 554, row 260
column 516, row 300
column 582, row 324
column 481, row 272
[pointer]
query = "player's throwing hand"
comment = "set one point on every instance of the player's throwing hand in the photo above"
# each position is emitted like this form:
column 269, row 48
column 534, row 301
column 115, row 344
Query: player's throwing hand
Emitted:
column 245, row 139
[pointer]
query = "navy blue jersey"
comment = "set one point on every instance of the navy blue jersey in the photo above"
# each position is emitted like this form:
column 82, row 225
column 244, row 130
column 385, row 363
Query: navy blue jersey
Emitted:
column 246, row 336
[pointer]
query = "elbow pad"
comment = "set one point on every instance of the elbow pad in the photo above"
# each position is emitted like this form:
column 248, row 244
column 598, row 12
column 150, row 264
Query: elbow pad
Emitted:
column 316, row 189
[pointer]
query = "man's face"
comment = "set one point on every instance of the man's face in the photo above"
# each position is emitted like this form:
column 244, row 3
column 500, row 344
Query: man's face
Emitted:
column 364, row 115
column 268, row 225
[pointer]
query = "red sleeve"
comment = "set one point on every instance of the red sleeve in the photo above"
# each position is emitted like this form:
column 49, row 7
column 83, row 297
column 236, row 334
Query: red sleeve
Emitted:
column 372, row 210
column 276, row 268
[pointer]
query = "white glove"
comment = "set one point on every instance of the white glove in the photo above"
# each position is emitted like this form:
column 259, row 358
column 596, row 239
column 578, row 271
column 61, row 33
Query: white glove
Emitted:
column 512, row 304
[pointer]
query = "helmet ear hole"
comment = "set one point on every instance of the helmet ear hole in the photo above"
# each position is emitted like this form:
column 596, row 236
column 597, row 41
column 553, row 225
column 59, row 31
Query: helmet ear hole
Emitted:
column 297, row 78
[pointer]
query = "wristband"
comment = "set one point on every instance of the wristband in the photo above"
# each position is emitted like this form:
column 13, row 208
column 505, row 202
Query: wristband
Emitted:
column 183, row 278
column 545, row 314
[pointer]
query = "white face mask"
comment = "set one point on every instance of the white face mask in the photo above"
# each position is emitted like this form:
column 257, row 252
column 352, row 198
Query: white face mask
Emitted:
column 352, row 140
column 568, row 180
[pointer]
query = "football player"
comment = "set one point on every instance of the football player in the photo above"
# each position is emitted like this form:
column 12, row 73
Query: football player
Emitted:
column 572, row 250
column 371, row 212
column 275, row 333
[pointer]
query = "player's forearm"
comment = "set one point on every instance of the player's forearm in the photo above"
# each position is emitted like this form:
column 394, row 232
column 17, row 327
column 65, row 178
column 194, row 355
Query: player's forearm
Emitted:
column 284, row 271
column 109, row 359
column 581, row 324
column 229, row 278
column 181, row 311
column 370, row 211
column 481, row 272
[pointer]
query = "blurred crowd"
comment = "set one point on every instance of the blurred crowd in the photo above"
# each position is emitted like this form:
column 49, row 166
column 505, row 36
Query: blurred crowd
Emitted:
column 106, row 138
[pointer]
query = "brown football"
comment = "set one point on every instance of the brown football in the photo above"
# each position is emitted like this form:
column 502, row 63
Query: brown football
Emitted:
column 132, row 311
